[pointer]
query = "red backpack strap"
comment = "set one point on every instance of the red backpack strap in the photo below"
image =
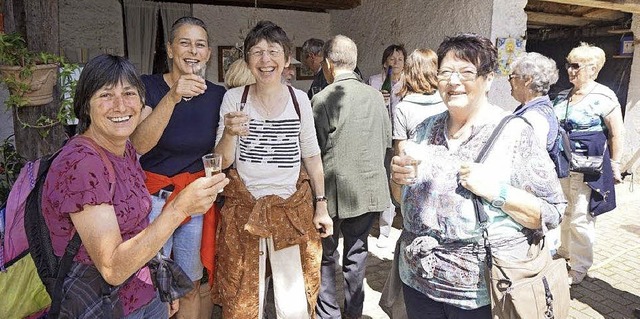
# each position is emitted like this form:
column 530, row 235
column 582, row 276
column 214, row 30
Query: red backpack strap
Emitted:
column 295, row 101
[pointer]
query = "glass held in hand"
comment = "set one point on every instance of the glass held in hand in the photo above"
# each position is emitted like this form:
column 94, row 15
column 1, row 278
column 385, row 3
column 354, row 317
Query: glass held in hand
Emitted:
column 212, row 165
column 198, row 70
column 413, row 175
column 245, row 125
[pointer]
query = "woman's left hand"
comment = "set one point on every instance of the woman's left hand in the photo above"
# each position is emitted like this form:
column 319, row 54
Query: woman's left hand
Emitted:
column 477, row 178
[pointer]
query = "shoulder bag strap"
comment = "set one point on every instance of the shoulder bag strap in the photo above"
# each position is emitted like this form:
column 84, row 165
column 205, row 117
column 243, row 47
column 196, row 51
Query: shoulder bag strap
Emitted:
column 74, row 244
column 481, row 215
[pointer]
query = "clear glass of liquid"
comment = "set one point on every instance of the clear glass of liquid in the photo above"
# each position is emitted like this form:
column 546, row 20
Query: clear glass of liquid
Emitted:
column 212, row 164
column 413, row 176
column 198, row 70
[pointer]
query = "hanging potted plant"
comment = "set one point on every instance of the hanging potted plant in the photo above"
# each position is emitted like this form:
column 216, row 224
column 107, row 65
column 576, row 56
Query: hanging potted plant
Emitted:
column 29, row 76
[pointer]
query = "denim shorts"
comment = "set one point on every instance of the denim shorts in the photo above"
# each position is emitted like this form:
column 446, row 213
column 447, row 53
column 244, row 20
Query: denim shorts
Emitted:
column 184, row 242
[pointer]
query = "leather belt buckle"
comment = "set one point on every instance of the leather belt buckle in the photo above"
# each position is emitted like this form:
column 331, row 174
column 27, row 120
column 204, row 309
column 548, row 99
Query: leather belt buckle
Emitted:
column 163, row 194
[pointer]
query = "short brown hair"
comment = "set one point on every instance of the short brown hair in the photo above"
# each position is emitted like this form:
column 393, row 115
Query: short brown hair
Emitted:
column 269, row 31
column 420, row 72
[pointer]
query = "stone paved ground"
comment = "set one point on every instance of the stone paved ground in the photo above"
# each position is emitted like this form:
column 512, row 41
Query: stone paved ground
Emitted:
column 612, row 289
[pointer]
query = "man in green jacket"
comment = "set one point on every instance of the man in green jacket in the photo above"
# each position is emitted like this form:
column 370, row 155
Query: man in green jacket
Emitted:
column 354, row 132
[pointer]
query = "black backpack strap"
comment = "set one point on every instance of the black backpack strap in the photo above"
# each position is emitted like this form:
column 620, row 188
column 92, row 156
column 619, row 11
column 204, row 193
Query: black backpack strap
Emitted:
column 295, row 101
column 63, row 269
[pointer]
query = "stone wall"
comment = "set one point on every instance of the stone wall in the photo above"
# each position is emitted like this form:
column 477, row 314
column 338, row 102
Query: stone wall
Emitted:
column 93, row 25
column 377, row 23
column 229, row 25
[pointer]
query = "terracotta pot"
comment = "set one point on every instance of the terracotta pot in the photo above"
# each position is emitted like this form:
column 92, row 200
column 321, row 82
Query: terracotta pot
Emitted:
column 42, row 81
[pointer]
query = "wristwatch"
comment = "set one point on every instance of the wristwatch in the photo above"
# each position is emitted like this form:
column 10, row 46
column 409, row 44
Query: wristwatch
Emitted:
column 499, row 201
column 320, row 199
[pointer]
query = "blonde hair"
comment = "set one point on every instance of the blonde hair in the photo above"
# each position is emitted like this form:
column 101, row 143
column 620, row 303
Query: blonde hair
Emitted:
column 420, row 72
column 588, row 53
column 238, row 75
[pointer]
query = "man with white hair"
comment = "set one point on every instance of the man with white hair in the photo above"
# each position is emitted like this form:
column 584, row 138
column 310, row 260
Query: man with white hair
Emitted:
column 354, row 132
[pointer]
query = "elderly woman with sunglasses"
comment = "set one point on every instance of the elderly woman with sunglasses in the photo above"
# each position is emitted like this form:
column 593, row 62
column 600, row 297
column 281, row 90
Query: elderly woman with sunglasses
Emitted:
column 441, row 263
column 591, row 114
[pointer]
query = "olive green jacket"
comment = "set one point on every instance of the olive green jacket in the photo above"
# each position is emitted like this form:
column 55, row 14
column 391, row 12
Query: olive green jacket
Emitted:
column 354, row 132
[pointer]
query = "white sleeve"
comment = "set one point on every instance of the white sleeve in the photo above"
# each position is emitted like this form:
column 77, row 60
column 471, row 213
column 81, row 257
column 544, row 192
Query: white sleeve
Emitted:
column 399, row 123
column 308, row 139
column 229, row 101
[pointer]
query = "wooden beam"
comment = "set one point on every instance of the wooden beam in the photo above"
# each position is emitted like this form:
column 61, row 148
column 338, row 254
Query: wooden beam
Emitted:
column 556, row 19
column 308, row 5
column 632, row 6
column 604, row 15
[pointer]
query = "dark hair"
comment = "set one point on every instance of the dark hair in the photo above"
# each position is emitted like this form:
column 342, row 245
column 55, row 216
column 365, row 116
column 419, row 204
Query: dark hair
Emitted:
column 186, row 21
column 312, row 45
column 102, row 70
column 392, row 48
column 473, row 48
column 267, row 30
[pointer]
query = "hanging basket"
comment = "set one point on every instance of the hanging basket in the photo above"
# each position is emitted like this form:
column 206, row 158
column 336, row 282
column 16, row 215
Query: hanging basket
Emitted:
column 41, row 82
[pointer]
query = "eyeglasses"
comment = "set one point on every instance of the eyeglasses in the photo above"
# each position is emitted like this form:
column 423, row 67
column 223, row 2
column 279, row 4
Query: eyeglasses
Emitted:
column 513, row 76
column 445, row 75
column 575, row 66
column 272, row 53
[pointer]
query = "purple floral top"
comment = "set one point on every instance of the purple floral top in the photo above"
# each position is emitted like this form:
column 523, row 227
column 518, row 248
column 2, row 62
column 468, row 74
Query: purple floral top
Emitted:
column 442, row 254
column 78, row 177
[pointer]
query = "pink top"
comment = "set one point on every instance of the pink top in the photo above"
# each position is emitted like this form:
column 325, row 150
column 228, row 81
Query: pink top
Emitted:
column 78, row 177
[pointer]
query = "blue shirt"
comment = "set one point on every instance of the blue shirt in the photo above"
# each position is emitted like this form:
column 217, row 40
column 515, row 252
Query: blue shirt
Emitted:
column 190, row 133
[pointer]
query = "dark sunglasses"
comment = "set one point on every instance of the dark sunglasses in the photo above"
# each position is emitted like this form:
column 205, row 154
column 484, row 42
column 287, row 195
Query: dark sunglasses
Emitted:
column 575, row 66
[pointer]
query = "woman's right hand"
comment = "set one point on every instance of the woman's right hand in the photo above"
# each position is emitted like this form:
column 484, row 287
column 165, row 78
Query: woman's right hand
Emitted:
column 401, row 172
column 188, row 86
column 199, row 195
column 236, row 123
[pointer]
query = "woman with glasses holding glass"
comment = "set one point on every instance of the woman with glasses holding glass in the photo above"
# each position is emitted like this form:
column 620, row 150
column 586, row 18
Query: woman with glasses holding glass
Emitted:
column 592, row 116
column 178, row 127
column 441, row 263
column 275, row 211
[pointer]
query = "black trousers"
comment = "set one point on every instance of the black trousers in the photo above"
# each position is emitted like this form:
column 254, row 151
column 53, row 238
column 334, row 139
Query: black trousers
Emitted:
column 354, row 261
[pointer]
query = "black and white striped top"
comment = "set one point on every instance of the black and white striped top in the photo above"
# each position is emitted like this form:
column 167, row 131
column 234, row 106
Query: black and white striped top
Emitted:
column 268, row 159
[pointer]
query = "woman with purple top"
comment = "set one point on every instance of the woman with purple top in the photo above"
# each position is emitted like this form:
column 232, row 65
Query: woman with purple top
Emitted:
column 112, row 218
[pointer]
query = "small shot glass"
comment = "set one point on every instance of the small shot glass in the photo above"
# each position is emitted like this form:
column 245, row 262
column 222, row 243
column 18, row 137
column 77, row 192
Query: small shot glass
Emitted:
column 413, row 176
column 212, row 165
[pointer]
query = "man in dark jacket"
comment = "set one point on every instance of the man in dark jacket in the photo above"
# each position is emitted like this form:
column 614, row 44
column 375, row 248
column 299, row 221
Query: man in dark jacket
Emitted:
column 312, row 57
column 354, row 131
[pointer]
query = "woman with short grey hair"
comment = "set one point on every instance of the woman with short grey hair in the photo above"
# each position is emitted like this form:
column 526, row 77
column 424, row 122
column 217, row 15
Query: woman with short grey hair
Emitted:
column 531, row 77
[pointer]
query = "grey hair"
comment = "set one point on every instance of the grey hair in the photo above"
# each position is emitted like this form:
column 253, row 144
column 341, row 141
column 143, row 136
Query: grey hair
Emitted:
column 312, row 45
column 186, row 21
column 541, row 70
column 342, row 52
